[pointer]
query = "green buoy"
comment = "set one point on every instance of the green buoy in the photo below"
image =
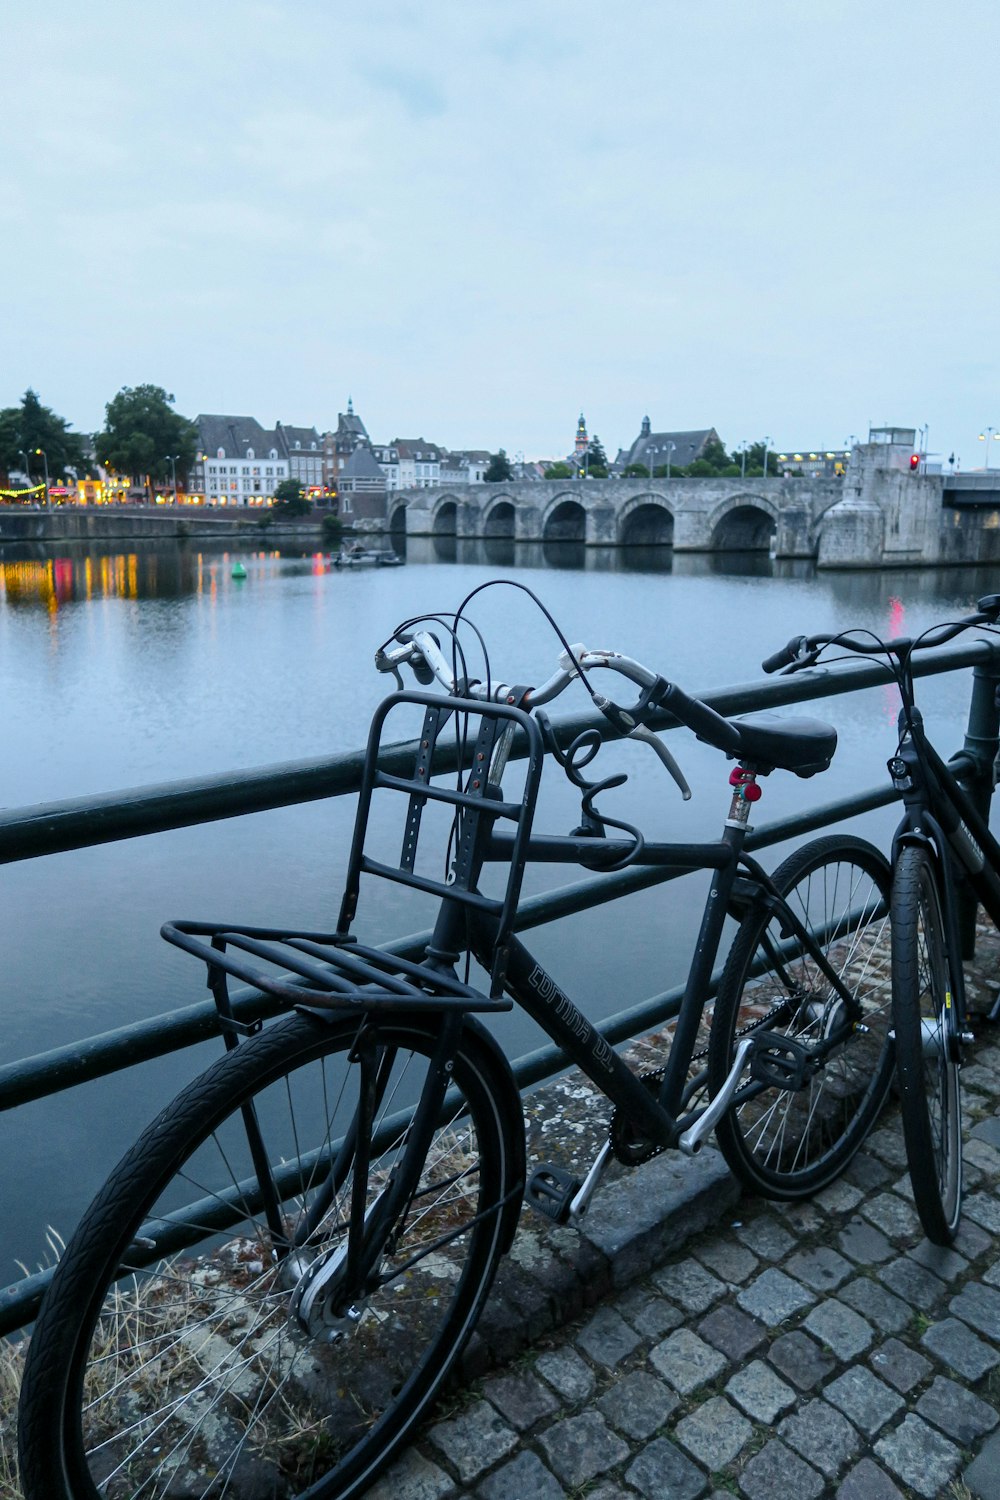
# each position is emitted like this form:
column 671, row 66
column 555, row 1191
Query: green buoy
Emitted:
column 239, row 571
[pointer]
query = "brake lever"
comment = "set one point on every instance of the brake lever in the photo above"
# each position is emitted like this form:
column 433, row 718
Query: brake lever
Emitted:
column 641, row 732
column 383, row 664
column 802, row 663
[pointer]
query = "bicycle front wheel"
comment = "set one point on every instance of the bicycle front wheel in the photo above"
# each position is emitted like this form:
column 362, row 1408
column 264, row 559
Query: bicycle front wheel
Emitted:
column 198, row 1372
column 788, row 1136
column 927, row 1046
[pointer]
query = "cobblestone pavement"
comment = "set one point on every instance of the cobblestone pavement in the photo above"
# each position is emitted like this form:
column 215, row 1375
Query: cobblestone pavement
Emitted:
column 812, row 1350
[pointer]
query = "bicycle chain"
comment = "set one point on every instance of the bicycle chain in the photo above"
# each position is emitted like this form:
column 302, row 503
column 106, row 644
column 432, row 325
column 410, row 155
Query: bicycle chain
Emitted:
column 629, row 1146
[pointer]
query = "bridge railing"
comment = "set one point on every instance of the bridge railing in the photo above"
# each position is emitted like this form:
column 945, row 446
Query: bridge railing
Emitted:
column 36, row 832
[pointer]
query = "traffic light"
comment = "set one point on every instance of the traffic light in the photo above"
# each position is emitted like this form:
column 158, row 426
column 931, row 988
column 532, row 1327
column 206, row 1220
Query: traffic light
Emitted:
column 914, row 462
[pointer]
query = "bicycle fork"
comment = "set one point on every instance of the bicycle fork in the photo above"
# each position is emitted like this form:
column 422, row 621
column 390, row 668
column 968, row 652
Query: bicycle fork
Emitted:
column 329, row 1292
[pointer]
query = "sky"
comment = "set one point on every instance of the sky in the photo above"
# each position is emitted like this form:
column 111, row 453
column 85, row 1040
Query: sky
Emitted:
column 479, row 220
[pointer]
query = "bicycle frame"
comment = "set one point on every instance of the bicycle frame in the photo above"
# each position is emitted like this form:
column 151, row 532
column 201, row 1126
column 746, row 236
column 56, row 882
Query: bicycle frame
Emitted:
column 939, row 814
column 661, row 1116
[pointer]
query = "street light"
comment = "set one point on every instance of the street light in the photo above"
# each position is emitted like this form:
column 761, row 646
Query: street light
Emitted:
column 45, row 463
column 172, row 461
column 743, row 459
column 666, row 449
column 984, row 437
column 41, row 452
column 766, row 441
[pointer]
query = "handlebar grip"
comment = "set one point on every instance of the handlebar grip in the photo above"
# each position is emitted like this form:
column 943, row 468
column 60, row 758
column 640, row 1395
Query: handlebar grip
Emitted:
column 418, row 663
column 706, row 723
column 785, row 656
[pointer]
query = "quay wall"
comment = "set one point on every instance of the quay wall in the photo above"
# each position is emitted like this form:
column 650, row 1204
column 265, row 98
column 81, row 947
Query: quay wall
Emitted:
column 113, row 523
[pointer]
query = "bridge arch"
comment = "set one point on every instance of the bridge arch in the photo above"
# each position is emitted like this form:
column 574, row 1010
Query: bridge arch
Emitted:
column 444, row 517
column 743, row 523
column 498, row 517
column 397, row 518
column 565, row 519
column 646, row 520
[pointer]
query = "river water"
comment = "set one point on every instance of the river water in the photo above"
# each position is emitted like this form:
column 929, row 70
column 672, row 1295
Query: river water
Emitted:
column 124, row 668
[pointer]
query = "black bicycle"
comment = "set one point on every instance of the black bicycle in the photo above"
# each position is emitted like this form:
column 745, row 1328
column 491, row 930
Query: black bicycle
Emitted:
column 276, row 1281
column 941, row 846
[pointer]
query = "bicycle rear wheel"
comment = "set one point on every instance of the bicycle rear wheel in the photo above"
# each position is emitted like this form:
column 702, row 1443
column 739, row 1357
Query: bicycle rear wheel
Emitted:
column 927, row 1046
column 790, row 1141
column 191, row 1375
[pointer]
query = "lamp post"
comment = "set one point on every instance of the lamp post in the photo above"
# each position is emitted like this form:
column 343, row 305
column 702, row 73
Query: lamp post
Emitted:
column 41, row 452
column 27, row 466
column 172, row 461
column 666, row 450
column 984, row 437
column 766, row 442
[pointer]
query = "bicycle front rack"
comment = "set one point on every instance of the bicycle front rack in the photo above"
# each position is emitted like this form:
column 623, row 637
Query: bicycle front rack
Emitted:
column 335, row 971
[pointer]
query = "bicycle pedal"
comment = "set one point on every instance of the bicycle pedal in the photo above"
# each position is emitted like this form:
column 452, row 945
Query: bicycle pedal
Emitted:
column 550, row 1190
column 781, row 1062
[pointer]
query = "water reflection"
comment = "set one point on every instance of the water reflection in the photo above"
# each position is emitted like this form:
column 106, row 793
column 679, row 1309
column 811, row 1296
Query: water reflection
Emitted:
column 33, row 575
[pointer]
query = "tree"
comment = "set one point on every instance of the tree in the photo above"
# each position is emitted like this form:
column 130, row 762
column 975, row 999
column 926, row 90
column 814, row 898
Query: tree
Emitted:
column 290, row 499
column 597, row 460
column 559, row 470
column 754, row 465
column 30, row 426
column 499, row 469
column 714, row 454
column 142, row 433
column 636, row 471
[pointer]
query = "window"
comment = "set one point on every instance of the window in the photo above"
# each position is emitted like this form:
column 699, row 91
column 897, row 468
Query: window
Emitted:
column 345, row 506
column 220, row 453
column 233, row 471
column 250, row 453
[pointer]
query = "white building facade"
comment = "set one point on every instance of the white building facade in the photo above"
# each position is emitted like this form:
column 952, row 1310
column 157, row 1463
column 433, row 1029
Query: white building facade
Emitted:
column 238, row 462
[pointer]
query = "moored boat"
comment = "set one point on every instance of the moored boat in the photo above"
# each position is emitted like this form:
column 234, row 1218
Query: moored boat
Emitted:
column 357, row 556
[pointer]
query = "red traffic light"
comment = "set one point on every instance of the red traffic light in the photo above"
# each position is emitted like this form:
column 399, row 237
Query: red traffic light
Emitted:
column 914, row 462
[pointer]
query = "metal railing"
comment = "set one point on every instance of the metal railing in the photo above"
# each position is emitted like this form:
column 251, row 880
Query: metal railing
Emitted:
column 55, row 828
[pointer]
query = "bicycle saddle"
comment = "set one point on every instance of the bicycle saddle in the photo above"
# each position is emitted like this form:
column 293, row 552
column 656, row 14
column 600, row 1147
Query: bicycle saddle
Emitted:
column 770, row 742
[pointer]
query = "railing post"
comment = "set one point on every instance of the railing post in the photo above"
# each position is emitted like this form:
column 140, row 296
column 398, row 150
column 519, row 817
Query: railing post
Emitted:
column 982, row 741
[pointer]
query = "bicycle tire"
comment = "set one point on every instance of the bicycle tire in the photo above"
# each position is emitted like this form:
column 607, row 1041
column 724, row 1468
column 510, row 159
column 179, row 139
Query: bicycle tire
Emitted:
column 190, row 1377
column 789, row 1142
column 927, row 1057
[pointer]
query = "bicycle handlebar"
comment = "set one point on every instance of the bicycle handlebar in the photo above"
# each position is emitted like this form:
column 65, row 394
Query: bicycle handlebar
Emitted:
column 803, row 651
column 422, row 653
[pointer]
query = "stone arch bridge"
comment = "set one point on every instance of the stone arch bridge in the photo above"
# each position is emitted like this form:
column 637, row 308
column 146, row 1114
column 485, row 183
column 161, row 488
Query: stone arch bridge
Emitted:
column 783, row 516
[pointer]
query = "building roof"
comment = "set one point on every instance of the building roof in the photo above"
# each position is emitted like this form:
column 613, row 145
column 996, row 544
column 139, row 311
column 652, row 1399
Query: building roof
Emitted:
column 350, row 425
column 651, row 448
column 293, row 439
column 361, row 466
column 411, row 447
column 235, row 435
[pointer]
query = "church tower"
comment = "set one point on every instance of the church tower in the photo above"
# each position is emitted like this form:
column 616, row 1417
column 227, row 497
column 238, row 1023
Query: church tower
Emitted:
column 582, row 442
